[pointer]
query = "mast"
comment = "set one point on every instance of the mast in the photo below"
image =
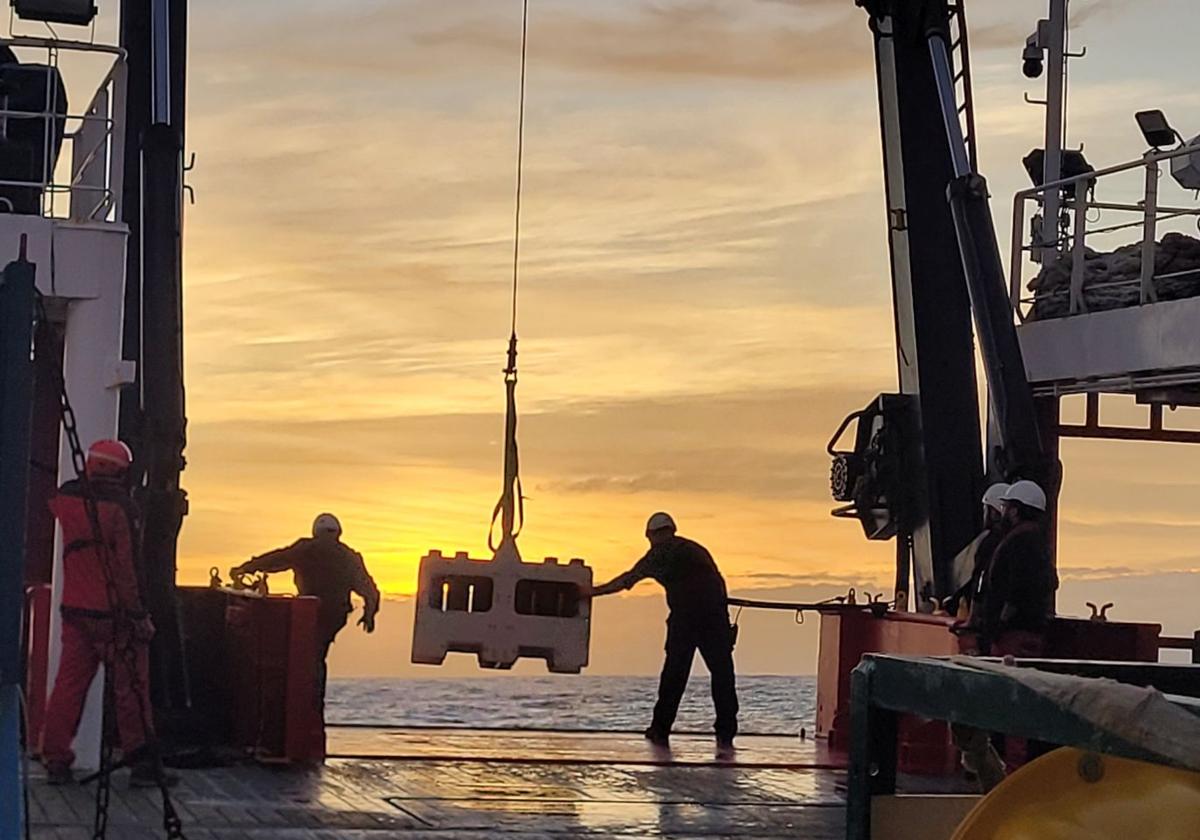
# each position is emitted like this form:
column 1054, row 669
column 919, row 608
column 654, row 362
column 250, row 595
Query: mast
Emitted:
column 154, row 32
column 1052, row 37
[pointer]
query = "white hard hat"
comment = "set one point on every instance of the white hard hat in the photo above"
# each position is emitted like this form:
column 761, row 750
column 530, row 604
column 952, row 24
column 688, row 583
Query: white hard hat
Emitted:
column 660, row 521
column 1028, row 494
column 994, row 496
column 326, row 523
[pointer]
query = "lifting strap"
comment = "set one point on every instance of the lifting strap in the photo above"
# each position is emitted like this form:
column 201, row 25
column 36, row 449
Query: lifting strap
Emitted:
column 511, row 506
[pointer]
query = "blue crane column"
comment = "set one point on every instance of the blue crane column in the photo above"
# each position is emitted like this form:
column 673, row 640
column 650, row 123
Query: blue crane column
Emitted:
column 16, row 410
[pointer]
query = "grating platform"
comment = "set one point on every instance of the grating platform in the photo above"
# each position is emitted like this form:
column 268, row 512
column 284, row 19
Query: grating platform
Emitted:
column 476, row 784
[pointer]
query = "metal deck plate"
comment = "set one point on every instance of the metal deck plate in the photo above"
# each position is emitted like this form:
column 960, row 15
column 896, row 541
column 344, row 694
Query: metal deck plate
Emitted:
column 517, row 785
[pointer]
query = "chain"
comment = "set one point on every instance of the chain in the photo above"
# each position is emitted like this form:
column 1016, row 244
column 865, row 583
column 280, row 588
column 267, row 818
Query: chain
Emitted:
column 123, row 638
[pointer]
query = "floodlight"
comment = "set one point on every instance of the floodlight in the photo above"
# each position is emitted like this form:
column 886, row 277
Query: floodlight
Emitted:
column 1185, row 169
column 76, row 12
column 1073, row 164
column 1156, row 129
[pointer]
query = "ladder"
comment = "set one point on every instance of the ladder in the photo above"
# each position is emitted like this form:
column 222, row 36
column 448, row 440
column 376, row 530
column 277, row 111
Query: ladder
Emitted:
column 960, row 58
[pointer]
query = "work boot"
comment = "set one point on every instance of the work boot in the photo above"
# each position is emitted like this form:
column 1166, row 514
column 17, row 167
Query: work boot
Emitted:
column 59, row 774
column 151, row 774
column 981, row 761
column 657, row 737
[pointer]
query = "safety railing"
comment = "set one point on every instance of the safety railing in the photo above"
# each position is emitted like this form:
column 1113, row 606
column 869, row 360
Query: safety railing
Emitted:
column 82, row 179
column 1145, row 215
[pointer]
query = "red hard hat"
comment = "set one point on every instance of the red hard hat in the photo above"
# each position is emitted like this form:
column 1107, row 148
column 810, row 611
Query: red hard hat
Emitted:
column 108, row 457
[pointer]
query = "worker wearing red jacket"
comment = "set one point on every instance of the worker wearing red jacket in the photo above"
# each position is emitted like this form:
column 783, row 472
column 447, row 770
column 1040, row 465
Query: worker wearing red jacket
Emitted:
column 326, row 567
column 103, row 619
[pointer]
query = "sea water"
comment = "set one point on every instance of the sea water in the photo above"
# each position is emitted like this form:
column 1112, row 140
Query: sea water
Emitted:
column 769, row 704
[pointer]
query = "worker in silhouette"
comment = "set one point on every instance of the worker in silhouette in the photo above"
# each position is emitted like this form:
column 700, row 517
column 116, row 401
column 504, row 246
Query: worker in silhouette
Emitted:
column 699, row 620
column 972, row 562
column 326, row 567
column 1012, row 608
column 103, row 618
column 1016, row 593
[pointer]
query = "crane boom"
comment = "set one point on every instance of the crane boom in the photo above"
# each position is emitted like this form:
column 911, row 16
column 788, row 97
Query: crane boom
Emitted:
column 922, row 480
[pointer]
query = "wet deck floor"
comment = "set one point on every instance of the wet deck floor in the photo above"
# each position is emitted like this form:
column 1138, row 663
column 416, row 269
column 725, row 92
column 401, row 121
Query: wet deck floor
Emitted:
column 463, row 783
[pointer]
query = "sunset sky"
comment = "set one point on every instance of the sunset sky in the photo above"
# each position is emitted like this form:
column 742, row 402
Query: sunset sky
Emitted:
column 704, row 288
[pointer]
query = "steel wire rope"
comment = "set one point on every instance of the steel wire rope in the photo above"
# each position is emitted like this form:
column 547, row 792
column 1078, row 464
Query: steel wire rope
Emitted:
column 520, row 161
column 510, row 370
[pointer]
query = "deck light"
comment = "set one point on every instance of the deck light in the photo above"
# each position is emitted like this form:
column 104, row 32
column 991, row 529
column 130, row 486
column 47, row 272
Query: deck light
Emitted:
column 76, row 12
column 1156, row 129
column 1073, row 165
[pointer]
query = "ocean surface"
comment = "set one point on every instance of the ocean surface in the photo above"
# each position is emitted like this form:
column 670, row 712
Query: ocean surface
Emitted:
column 769, row 704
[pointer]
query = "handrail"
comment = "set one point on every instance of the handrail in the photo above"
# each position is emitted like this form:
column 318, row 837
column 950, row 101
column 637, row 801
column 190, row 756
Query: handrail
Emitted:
column 92, row 140
column 1147, row 159
column 61, row 44
column 1151, row 214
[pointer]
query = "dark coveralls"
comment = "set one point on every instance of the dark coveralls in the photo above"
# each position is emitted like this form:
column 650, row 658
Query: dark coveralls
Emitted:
column 89, row 637
column 1015, row 601
column 330, row 570
column 699, row 620
column 1013, row 604
column 970, row 592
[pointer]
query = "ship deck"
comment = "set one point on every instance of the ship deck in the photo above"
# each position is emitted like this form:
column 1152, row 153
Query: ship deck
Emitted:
column 455, row 783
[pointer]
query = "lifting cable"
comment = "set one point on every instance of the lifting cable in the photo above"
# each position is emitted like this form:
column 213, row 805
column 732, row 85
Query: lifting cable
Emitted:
column 511, row 506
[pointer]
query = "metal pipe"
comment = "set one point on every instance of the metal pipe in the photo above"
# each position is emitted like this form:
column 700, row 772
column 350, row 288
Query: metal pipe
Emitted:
column 943, row 73
column 1077, row 303
column 1018, row 250
column 1149, row 231
column 1137, row 208
column 64, row 45
column 1140, row 223
column 804, row 606
column 1149, row 157
column 1056, row 61
column 1130, row 434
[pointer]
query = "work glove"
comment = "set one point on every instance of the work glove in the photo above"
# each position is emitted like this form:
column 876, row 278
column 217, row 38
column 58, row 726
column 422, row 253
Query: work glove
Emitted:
column 235, row 571
column 367, row 622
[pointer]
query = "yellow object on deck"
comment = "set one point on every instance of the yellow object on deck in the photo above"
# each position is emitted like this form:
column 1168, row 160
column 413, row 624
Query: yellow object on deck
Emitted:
column 1070, row 794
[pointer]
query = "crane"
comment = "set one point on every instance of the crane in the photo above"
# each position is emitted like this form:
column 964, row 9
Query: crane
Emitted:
column 916, row 471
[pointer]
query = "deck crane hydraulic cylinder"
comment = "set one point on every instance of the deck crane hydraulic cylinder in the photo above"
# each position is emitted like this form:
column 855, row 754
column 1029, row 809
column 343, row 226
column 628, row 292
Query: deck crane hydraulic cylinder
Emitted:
column 1011, row 398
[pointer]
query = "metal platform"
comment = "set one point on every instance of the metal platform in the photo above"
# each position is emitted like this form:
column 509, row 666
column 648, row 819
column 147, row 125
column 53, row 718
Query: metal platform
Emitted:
column 1139, row 333
column 1118, row 351
column 429, row 783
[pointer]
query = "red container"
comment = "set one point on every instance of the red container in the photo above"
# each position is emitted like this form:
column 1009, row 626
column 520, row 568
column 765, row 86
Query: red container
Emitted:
column 272, row 645
column 925, row 747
